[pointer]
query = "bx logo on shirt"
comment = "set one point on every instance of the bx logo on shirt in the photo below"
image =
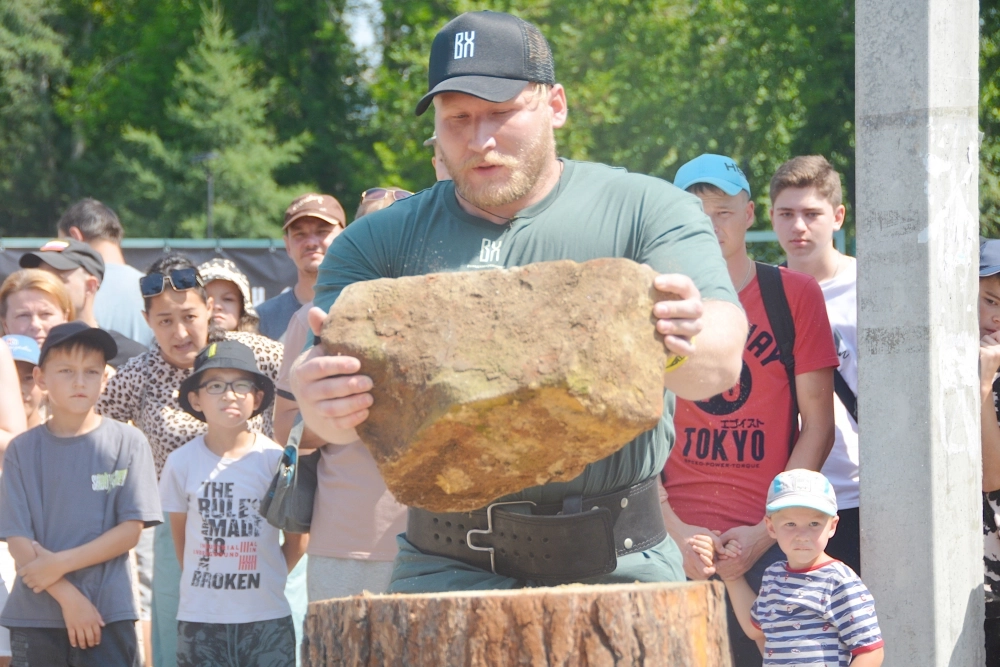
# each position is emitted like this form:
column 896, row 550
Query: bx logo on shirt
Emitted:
column 490, row 251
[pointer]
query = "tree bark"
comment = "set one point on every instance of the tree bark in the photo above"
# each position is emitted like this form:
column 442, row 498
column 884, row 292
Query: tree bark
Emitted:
column 574, row 625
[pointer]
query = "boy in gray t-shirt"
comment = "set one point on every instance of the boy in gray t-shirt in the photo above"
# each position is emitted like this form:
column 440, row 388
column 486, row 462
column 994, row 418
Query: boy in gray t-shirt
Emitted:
column 76, row 493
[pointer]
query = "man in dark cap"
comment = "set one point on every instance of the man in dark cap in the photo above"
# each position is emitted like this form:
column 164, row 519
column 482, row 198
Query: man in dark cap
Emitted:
column 81, row 268
column 513, row 201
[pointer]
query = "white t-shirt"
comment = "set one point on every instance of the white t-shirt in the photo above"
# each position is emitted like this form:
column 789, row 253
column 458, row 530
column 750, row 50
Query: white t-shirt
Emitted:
column 234, row 571
column 841, row 467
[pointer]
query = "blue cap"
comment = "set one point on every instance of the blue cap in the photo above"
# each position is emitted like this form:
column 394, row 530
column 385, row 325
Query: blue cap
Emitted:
column 989, row 257
column 22, row 348
column 802, row 488
column 717, row 170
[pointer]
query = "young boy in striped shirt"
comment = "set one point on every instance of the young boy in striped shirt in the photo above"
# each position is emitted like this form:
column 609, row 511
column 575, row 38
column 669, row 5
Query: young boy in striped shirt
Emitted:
column 812, row 609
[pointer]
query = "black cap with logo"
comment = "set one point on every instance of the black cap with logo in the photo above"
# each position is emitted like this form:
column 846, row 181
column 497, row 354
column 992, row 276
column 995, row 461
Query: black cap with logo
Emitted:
column 489, row 55
column 65, row 255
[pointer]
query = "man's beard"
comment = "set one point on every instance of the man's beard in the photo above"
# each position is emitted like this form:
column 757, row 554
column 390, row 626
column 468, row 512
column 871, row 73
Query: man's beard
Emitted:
column 525, row 168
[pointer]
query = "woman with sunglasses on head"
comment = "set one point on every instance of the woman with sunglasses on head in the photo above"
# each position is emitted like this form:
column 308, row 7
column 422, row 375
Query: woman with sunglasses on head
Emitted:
column 145, row 391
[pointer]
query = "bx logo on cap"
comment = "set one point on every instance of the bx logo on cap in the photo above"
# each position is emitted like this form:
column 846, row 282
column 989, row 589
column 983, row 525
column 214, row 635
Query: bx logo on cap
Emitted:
column 465, row 44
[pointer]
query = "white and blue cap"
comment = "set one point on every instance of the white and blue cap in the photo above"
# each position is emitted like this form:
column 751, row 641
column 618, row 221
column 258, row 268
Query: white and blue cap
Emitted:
column 22, row 348
column 989, row 257
column 718, row 170
column 802, row 488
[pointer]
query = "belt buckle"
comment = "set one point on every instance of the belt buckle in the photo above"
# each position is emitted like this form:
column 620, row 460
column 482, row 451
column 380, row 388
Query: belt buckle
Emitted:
column 489, row 530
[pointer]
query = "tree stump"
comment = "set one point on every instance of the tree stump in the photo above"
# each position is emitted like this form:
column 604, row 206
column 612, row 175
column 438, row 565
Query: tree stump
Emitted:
column 573, row 625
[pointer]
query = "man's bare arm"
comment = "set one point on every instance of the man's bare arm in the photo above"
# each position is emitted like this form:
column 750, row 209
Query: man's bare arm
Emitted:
column 716, row 359
column 814, row 391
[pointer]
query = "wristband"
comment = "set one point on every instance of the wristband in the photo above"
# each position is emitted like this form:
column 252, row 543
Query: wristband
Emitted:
column 674, row 361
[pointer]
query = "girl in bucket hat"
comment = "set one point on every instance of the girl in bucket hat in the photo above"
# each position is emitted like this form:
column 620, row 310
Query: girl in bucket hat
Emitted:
column 229, row 288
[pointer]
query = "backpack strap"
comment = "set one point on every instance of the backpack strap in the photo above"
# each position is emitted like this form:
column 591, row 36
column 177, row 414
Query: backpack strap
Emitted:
column 772, row 292
column 996, row 391
column 847, row 397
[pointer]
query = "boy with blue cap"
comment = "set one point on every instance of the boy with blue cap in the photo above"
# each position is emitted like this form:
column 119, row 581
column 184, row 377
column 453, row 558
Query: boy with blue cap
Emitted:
column 812, row 609
column 731, row 446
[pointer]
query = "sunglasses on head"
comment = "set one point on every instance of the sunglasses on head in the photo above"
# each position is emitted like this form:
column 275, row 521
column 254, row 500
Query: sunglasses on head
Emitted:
column 180, row 279
column 374, row 194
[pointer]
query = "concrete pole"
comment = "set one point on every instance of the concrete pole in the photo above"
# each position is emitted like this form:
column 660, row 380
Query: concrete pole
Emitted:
column 917, row 232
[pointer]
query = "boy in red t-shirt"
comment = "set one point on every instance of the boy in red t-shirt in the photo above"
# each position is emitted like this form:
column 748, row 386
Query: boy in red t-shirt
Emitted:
column 730, row 447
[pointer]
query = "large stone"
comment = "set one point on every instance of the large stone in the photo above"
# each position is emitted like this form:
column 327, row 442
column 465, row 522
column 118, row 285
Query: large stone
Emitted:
column 490, row 382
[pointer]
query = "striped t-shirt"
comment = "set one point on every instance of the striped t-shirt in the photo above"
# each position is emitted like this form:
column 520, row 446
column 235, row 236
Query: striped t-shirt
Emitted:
column 820, row 616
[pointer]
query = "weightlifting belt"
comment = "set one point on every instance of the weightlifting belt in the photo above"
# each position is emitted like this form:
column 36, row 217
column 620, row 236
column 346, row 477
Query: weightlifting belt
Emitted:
column 553, row 543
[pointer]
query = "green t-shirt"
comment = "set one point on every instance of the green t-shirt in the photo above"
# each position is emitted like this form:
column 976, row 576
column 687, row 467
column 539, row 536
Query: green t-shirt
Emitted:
column 595, row 211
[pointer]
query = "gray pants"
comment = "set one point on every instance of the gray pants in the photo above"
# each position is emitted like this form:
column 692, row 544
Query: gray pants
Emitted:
column 260, row 644
column 51, row 647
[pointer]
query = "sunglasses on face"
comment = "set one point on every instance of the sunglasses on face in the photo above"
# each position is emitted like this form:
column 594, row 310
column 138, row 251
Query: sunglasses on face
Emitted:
column 374, row 194
column 218, row 387
column 180, row 279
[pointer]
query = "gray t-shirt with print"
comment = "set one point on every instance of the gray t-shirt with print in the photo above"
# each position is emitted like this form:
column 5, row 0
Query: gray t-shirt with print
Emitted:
column 64, row 492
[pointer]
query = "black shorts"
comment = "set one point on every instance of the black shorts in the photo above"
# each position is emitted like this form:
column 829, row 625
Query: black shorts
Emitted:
column 50, row 647
column 261, row 644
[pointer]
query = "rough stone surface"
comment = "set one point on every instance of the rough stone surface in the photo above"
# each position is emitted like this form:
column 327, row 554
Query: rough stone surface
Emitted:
column 490, row 382
column 585, row 626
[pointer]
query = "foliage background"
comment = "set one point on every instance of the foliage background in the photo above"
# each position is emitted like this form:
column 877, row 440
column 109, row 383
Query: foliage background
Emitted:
column 114, row 98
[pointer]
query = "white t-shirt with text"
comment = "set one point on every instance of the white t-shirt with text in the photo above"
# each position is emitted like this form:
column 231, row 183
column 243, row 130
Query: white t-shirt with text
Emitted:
column 234, row 571
column 841, row 467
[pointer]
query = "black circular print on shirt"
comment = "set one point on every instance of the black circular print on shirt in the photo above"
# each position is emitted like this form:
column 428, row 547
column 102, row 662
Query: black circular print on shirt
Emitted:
column 732, row 399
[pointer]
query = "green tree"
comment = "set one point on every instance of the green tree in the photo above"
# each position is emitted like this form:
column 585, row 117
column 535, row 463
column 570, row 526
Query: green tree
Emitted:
column 303, row 47
column 219, row 123
column 989, row 119
column 654, row 83
column 32, row 65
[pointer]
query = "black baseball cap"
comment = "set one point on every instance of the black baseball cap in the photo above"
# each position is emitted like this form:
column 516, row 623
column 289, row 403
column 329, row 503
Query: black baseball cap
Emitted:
column 77, row 331
column 489, row 55
column 225, row 354
column 989, row 257
column 65, row 255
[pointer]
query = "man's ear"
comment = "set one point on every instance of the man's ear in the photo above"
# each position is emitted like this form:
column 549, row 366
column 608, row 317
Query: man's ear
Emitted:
column 750, row 214
column 74, row 232
column 558, row 104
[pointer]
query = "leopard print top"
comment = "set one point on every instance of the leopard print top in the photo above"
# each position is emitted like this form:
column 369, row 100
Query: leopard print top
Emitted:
column 144, row 391
column 991, row 534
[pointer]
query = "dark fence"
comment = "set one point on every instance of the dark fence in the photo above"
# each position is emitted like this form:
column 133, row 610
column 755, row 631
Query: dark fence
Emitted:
column 263, row 260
